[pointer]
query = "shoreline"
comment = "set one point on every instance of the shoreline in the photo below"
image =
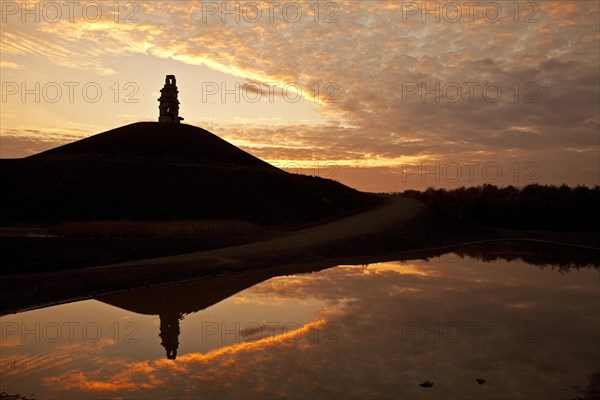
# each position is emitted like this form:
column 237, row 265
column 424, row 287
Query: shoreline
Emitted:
column 398, row 230
column 292, row 268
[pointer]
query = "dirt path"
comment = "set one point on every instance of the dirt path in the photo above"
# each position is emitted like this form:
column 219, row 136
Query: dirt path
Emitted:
column 388, row 215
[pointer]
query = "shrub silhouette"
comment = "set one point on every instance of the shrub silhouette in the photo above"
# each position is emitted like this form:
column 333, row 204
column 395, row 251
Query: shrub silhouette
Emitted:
column 533, row 207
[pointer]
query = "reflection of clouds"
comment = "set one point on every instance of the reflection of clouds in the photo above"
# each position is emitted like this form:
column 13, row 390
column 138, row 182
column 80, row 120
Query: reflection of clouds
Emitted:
column 132, row 376
column 370, row 53
column 524, row 302
column 399, row 268
column 388, row 327
column 332, row 284
column 220, row 368
column 60, row 358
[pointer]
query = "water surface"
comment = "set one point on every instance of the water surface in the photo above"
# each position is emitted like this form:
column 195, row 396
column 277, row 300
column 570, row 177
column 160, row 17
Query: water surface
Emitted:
column 372, row 331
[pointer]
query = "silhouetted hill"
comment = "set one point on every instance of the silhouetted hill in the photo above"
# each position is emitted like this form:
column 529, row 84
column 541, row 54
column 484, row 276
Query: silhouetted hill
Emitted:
column 156, row 142
column 154, row 171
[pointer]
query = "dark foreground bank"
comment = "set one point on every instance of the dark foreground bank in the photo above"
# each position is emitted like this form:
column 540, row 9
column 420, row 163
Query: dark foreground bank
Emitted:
column 400, row 230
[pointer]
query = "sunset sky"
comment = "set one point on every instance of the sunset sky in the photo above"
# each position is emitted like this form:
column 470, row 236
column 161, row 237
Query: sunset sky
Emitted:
column 518, row 99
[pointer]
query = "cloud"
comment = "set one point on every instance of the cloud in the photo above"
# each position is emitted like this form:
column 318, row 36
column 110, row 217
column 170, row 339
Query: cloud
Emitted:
column 15, row 143
column 9, row 64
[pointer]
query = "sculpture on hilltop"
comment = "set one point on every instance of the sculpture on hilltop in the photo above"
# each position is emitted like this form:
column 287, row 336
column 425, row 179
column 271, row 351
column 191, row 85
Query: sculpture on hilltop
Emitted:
column 169, row 105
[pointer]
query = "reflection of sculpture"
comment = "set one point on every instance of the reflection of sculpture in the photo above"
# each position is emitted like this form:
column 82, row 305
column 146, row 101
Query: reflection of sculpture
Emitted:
column 171, row 302
column 169, row 105
column 169, row 333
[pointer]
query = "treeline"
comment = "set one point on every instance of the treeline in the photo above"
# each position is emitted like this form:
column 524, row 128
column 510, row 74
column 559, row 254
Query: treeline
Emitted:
column 533, row 207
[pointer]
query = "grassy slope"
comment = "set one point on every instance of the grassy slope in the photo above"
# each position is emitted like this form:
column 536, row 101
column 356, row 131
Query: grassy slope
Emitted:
column 151, row 171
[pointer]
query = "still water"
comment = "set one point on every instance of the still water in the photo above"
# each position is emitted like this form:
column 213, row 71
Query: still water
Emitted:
column 371, row 331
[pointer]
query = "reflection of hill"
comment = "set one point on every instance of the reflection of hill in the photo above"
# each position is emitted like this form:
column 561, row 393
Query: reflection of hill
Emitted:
column 189, row 297
column 172, row 302
column 184, row 298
